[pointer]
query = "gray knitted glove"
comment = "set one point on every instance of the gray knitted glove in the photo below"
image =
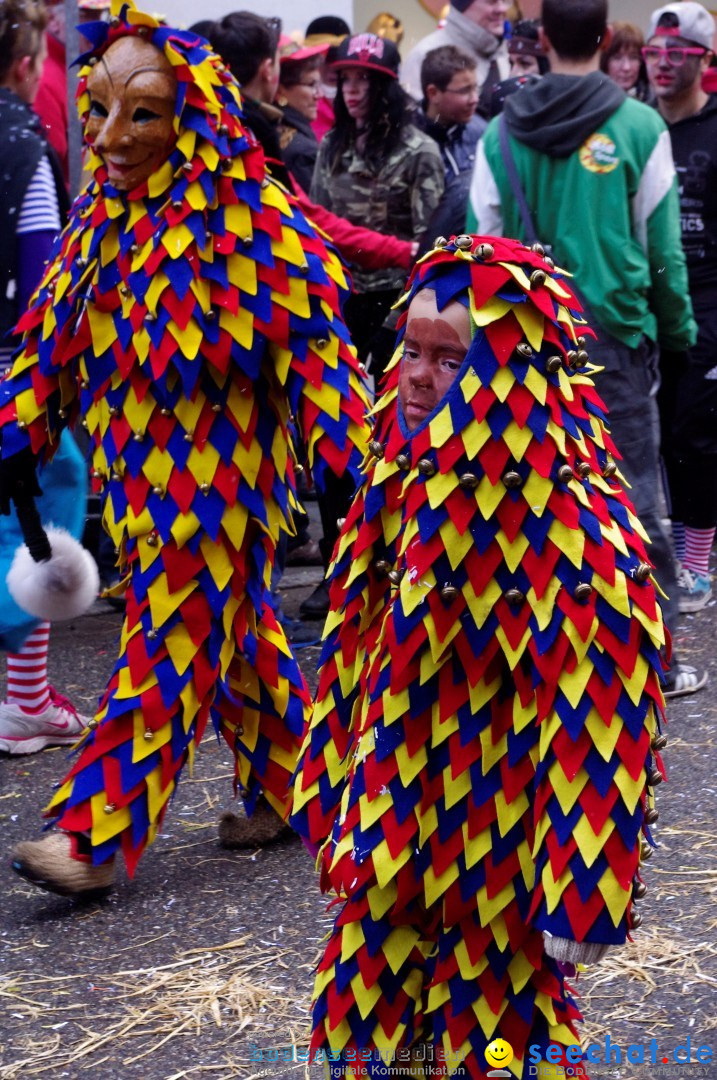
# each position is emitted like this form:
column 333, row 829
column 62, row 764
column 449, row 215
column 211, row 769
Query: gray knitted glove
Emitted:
column 573, row 952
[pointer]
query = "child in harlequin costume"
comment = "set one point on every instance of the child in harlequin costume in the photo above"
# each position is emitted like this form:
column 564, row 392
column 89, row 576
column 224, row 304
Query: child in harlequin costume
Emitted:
column 189, row 316
column 483, row 751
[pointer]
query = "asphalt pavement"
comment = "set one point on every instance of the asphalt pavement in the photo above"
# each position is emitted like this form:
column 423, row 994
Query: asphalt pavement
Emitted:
column 202, row 965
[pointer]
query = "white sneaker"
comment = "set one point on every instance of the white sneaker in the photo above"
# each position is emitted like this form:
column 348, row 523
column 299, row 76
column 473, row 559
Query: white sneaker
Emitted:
column 24, row 733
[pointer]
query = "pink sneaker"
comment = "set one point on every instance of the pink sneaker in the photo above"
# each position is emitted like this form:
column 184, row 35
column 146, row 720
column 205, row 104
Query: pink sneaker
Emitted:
column 26, row 733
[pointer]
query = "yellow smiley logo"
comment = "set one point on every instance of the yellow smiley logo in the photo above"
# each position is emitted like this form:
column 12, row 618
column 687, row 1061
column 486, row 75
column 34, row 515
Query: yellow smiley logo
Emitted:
column 499, row 1053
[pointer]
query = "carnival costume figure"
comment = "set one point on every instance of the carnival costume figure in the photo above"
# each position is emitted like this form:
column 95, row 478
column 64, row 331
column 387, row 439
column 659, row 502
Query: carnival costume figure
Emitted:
column 189, row 316
column 482, row 756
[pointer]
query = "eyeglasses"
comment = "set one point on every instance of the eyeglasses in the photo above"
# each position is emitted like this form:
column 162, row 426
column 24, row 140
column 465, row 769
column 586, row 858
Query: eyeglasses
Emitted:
column 465, row 91
column 675, row 56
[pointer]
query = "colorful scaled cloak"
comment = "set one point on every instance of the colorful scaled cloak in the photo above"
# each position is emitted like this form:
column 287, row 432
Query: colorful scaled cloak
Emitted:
column 189, row 322
column 478, row 761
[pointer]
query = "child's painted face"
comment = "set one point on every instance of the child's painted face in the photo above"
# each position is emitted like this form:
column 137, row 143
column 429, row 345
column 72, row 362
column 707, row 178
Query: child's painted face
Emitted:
column 132, row 92
column 434, row 347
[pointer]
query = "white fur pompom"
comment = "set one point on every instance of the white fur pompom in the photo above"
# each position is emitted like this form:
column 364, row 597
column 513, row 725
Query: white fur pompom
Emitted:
column 63, row 587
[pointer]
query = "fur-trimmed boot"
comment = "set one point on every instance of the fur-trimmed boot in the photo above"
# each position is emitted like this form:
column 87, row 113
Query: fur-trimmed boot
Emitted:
column 51, row 865
column 262, row 828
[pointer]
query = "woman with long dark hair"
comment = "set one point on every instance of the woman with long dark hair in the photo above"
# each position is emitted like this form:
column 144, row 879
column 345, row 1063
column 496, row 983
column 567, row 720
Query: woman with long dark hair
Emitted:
column 377, row 169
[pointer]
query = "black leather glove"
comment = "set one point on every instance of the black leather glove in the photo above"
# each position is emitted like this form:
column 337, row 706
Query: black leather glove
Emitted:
column 18, row 480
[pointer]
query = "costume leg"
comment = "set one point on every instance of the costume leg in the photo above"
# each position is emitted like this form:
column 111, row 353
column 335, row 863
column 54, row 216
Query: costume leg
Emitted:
column 176, row 645
column 262, row 709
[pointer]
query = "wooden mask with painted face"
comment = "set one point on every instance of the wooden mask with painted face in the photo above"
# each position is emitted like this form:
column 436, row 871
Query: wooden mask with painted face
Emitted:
column 133, row 92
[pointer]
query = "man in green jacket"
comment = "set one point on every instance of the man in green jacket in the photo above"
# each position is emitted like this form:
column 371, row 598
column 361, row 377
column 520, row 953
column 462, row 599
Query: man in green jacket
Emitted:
column 596, row 170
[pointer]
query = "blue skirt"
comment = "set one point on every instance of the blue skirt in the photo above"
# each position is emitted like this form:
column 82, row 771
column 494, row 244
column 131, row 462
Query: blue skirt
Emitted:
column 63, row 503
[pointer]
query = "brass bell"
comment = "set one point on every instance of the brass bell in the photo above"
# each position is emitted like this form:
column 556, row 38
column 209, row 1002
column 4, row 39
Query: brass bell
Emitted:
column 85, row 384
column 340, row 522
column 582, row 591
column 96, row 474
column 135, row 249
column 582, row 341
column 553, row 364
column 659, row 743
column 217, row 406
column 188, row 436
column 426, row 467
column 247, row 241
column 93, row 724
column 82, row 262
column 565, row 474
column 93, row 60
column 116, row 476
column 152, row 540
column 584, row 469
column 537, row 278
column 210, row 314
column 549, row 263
column 382, row 567
column 395, row 576
column 22, row 426
column 645, row 851
column 150, row 317
column 177, row 204
column 609, row 470
column 115, row 410
column 148, row 735
column 485, row 251
column 464, row 242
column 403, row 461
column 643, row 572
column 654, row 777
column 512, row 479
column 635, row 919
column 571, row 357
column 62, row 413
column 303, row 268
column 582, row 358
column 222, row 129
column 321, row 343
column 468, row 480
column 205, row 488
column 514, row 596
column 298, row 469
column 240, row 730
column 166, row 412
column 138, row 436
column 440, row 242
column 537, row 248
column 110, row 808
column 187, row 166
column 524, row 349
column 652, row 815
column 158, row 490
column 449, row 592
column 639, row 890
column 125, row 291
column 151, row 634
column 225, row 165
column 376, row 448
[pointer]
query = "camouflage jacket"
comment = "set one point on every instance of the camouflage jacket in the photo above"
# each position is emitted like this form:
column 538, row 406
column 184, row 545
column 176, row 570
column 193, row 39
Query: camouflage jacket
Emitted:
column 396, row 196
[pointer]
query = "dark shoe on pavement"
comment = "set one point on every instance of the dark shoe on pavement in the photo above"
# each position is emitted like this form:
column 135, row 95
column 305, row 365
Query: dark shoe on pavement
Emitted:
column 262, row 828
column 683, row 679
column 48, row 863
column 299, row 634
column 316, row 606
column 306, row 554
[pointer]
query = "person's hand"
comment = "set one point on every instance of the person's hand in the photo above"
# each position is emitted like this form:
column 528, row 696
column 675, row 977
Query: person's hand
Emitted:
column 18, row 480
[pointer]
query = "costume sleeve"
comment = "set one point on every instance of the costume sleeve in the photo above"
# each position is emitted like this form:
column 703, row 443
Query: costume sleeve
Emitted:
column 428, row 182
column 656, row 216
column 485, row 214
column 366, row 248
